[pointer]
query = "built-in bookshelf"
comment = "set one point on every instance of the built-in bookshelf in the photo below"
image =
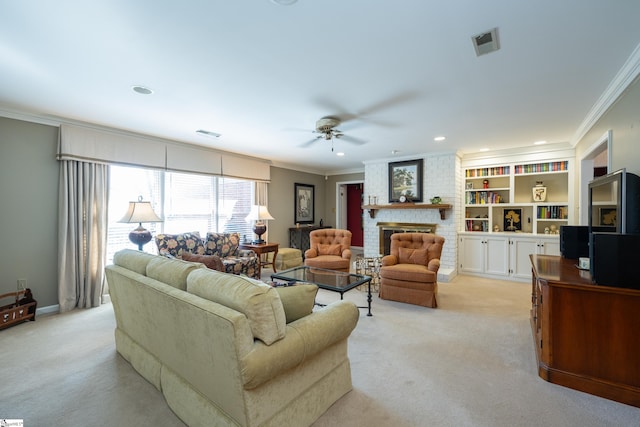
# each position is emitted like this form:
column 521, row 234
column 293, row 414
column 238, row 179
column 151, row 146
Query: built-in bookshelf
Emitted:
column 495, row 196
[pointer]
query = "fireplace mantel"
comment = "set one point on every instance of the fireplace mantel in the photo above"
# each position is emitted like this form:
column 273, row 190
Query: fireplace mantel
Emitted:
column 374, row 208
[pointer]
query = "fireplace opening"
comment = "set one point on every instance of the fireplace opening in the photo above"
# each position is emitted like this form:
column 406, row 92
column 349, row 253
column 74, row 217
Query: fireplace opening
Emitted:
column 388, row 228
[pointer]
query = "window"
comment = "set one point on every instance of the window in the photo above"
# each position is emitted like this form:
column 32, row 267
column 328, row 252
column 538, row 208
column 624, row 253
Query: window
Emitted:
column 186, row 202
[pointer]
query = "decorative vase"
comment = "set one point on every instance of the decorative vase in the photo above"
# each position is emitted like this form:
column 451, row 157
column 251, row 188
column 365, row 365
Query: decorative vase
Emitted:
column 539, row 192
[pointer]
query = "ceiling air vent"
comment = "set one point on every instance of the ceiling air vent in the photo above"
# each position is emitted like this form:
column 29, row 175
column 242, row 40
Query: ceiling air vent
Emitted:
column 486, row 42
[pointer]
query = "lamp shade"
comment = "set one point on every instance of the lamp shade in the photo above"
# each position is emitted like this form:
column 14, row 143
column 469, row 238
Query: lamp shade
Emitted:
column 258, row 213
column 140, row 212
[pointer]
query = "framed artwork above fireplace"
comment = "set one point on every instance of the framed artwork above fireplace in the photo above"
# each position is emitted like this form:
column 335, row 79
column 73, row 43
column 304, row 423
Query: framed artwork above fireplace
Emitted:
column 405, row 181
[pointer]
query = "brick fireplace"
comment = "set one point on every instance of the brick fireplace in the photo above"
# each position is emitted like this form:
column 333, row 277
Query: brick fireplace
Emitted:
column 388, row 228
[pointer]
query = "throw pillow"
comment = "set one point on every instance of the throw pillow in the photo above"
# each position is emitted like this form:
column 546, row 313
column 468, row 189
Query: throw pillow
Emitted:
column 211, row 261
column 412, row 256
column 258, row 301
column 329, row 250
column 177, row 244
column 298, row 300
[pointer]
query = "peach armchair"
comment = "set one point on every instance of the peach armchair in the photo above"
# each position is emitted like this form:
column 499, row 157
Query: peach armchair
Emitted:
column 410, row 272
column 329, row 248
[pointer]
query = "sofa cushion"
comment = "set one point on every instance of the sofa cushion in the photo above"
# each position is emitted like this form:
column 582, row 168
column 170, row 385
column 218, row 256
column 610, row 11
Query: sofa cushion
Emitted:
column 173, row 272
column 133, row 260
column 412, row 256
column 222, row 244
column 298, row 301
column 329, row 249
column 177, row 244
column 258, row 301
column 210, row 261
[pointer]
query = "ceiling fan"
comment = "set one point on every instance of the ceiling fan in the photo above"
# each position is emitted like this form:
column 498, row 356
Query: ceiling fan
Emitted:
column 326, row 128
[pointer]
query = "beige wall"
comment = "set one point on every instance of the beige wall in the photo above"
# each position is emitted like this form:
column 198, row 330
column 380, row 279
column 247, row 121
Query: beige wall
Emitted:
column 281, row 194
column 623, row 118
column 29, row 209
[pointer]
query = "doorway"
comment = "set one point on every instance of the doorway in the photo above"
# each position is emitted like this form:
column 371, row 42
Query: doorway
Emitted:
column 595, row 162
column 349, row 213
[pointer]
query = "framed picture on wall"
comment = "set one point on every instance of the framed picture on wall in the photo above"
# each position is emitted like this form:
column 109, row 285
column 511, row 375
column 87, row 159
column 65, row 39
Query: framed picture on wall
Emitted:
column 405, row 181
column 512, row 220
column 304, row 201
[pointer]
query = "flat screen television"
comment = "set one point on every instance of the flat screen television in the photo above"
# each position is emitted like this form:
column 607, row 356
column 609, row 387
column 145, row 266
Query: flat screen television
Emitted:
column 614, row 203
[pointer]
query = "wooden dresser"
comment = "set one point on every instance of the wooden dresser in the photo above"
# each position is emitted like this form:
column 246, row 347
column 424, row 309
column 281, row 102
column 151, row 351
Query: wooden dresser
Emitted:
column 587, row 337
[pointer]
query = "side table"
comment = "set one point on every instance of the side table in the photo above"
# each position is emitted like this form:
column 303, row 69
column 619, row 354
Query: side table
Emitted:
column 371, row 267
column 263, row 249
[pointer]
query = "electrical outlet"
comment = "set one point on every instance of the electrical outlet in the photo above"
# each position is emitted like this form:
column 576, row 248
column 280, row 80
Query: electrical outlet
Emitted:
column 22, row 284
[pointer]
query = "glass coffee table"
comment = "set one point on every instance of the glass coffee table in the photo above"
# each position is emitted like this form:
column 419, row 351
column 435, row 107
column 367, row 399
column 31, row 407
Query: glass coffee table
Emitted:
column 331, row 280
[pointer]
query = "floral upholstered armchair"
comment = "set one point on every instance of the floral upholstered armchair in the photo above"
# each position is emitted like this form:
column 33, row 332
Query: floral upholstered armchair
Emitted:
column 222, row 245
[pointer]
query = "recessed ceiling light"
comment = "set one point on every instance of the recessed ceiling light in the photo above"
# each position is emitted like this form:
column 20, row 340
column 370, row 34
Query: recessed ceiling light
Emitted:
column 284, row 2
column 142, row 90
column 439, row 138
column 539, row 142
column 484, row 149
column 340, row 153
column 208, row 133
column 394, row 152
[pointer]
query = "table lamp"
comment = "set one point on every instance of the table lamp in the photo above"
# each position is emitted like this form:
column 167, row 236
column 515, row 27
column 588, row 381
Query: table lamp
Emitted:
column 258, row 214
column 140, row 212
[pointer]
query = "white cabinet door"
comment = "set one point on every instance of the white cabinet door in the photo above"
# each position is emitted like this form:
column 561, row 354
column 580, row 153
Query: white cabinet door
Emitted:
column 549, row 247
column 521, row 248
column 472, row 250
column 497, row 255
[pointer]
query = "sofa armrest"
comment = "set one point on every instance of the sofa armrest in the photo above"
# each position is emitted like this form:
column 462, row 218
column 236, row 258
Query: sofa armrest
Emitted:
column 389, row 260
column 311, row 253
column 304, row 338
column 346, row 254
column 434, row 265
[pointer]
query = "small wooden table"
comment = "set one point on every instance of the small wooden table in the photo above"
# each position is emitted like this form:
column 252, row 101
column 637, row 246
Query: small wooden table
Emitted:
column 260, row 249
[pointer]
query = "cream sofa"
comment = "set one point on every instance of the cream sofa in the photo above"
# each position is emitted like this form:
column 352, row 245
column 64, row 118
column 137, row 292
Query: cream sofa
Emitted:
column 218, row 346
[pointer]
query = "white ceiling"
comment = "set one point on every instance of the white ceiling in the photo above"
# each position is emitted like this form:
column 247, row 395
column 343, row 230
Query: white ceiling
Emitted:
column 261, row 74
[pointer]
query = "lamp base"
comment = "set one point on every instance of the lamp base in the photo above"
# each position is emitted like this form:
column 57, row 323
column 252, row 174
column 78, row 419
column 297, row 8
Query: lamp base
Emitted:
column 140, row 236
column 259, row 228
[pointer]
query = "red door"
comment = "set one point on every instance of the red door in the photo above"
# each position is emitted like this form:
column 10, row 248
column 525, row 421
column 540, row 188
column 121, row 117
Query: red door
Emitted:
column 354, row 213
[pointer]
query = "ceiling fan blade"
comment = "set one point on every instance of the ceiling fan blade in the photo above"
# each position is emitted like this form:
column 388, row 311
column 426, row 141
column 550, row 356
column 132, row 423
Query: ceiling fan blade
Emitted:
column 310, row 142
column 388, row 103
column 353, row 140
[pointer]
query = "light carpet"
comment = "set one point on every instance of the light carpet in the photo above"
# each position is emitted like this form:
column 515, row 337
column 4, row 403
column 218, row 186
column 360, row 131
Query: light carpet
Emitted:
column 469, row 362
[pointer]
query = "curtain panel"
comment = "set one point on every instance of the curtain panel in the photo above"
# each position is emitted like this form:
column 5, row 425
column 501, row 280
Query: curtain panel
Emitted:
column 82, row 234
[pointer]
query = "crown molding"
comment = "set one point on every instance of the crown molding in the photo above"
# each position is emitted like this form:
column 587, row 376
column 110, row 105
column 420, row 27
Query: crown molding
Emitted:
column 627, row 74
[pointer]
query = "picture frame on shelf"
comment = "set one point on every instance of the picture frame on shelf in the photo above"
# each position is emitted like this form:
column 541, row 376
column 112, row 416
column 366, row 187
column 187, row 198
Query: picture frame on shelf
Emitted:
column 469, row 185
column 608, row 217
column 405, row 179
column 304, row 203
column 512, row 219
